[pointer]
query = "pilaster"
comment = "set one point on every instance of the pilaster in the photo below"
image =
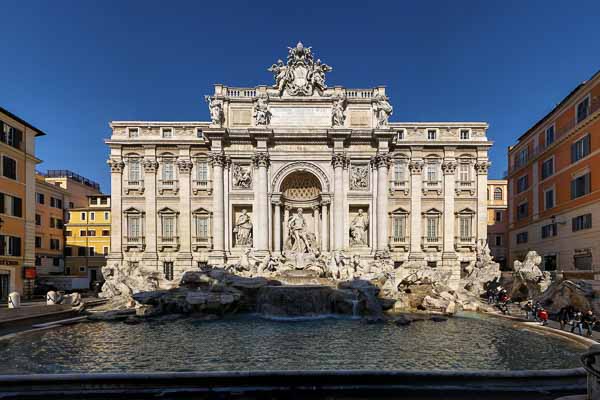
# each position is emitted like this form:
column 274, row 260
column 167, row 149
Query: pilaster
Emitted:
column 481, row 167
column 217, row 255
column 338, row 160
column 416, row 185
column 382, row 161
column 261, row 160
column 184, row 256
column 150, row 166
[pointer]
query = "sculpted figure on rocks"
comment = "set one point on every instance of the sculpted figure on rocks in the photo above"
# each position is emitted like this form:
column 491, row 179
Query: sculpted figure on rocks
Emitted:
column 482, row 271
column 299, row 240
column 528, row 279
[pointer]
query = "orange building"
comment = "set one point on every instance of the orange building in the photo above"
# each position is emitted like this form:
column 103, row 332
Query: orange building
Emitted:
column 497, row 197
column 554, row 186
column 17, row 204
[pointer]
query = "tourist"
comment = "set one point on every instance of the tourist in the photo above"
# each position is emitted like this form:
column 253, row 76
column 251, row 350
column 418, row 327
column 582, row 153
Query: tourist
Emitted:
column 543, row 316
column 589, row 321
column 528, row 307
column 565, row 316
column 536, row 308
column 577, row 323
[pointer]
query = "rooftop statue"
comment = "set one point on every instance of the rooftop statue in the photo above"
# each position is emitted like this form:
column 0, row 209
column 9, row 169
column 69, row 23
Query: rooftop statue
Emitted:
column 301, row 75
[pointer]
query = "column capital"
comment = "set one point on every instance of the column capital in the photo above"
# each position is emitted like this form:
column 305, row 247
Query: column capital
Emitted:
column 261, row 159
column 482, row 167
column 416, row 167
column 316, row 207
column 116, row 165
column 382, row 160
column 449, row 167
column 184, row 166
column 217, row 159
column 338, row 160
column 150, row 165
column 276, row 202
column 325, row 202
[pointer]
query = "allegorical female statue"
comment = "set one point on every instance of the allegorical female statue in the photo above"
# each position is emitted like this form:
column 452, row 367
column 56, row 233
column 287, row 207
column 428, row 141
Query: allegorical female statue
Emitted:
column 243, row 229
column 359, row 229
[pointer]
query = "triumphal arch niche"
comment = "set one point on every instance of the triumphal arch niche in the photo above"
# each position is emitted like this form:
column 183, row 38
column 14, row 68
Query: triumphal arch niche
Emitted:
column 297, row 166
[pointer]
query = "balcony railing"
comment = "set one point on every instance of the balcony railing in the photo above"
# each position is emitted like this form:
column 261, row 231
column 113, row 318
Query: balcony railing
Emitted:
column 465, row 184
column 559, row 133
column 202, row 185
column 241, row 92
column 130, row 242
column 168, row 185
column 168, row 242
column 134, row 185
column 399, row 241
column 204, row 242
column 397, row 185
column 359, row 93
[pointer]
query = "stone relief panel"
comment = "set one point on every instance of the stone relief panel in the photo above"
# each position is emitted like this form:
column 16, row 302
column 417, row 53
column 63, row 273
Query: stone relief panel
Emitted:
column 241, row 117
column 359, row 177
column 242, row 226
column 360, row 118
column 359, row 226
column 242, row 176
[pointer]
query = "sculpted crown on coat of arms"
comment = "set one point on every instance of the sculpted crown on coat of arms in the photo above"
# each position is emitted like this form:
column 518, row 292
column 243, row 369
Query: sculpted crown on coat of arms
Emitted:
column 301, row 75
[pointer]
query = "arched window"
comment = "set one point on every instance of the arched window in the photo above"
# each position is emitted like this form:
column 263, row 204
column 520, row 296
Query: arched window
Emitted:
column 498, row 193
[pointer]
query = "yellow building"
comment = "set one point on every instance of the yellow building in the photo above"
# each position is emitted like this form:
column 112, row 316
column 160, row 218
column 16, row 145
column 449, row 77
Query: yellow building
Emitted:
column 498, row 220
column 50, row 204
column 88, row 238
column 17, row 204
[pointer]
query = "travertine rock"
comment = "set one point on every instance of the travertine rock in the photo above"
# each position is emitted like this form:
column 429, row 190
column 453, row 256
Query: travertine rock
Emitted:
column 529, row 280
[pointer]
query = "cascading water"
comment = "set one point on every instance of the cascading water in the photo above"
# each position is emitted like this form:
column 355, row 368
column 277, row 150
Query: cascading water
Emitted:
column 355, row 308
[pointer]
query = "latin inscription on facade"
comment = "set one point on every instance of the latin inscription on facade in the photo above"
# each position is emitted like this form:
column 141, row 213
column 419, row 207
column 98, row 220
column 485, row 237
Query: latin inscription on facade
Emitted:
column 301, row 116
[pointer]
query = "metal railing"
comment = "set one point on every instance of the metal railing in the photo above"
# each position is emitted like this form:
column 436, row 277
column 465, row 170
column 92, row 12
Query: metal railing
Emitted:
column 559, row 133
column 65, row 173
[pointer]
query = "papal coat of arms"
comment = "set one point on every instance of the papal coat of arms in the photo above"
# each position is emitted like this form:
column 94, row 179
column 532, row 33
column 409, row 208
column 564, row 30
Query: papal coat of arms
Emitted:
column 301, row 75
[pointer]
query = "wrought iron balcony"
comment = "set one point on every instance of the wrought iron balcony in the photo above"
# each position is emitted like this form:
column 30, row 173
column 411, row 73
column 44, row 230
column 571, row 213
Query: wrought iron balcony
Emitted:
column 465, row 186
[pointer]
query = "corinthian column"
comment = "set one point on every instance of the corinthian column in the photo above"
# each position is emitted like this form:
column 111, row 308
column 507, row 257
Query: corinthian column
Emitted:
column 338, row 160
column 324, row 226
column 183, row 224
column 217, row 255
column 482, row 177
column 150, row 256
column 261, row 233
column 449, row 169
column 416, row 187
column 382, row 162
column 116, row 232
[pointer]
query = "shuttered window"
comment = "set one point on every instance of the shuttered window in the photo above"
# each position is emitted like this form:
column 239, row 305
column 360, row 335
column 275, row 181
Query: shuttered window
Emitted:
column 580, row 148
column 580, row 186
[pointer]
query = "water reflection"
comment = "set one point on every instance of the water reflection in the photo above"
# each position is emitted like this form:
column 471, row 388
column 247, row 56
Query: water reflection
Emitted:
column 249, row 343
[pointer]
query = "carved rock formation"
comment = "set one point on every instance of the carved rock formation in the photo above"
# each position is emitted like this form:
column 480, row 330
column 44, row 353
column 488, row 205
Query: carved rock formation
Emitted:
column 529, row 280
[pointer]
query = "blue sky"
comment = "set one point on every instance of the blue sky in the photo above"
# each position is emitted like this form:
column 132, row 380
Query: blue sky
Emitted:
column 70, row 67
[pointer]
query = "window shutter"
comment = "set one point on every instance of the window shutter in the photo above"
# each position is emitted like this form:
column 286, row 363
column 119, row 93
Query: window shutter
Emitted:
column 17, row 210
column 18, row 138
column 573, row 152
column 2, row 203
column 586, row 145
column 573, row 187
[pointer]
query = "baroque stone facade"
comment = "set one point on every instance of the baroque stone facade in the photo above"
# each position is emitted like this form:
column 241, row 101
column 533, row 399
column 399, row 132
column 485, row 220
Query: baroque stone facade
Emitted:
column 297, row 167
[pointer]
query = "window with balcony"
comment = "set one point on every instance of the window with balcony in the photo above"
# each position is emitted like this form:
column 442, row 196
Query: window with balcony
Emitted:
column 549, row 135
column 549, row 230
column 201, row 227
column 399, row 225
column 432, row 227
column 134, row 229
column 134, row 175
column 581, row 222
column 548, row 168
column 581, row 185
column 522, row 183
column 465, row 220
column 549, row 199
column 583, row 109
column 523, row 156
column 580, row 148
column 400, row 179
column 432, row 176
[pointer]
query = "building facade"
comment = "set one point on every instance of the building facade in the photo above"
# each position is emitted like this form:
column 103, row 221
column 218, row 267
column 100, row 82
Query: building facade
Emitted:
column 497, row 196
column 17, row 204
column 50, row 203
column 554, row 185
column 293, row 168
column 88, row 238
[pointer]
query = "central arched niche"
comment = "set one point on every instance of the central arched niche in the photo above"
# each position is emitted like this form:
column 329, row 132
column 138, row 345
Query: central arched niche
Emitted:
column 301, row 186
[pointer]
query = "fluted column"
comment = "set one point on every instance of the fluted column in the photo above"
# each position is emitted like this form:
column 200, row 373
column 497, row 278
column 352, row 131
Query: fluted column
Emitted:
column 449, row 170
column 416, row 188
column 226, row 217
column 277, row 226
column 382, row 162
column 286, row 218
column 218, row 254
column 324, row 226
column 338, row 161
column 261, row 233
column 117, row 222
column 184, row 221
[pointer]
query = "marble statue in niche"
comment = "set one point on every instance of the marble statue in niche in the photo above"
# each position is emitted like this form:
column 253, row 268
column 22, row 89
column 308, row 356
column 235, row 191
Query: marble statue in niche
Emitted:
column 242, row 176
column 299, row 239
column 359, row 229
column 359, row 177
column 243, row 229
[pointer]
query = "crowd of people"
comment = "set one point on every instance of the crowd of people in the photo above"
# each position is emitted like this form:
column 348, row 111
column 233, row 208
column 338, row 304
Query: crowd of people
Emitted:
column 568, row 316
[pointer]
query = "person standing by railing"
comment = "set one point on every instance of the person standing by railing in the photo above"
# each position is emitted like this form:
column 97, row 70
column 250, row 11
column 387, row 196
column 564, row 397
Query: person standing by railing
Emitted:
column 589, row 321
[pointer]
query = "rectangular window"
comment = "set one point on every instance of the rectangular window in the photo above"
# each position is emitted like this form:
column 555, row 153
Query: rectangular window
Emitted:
column 56, row 261
column 168, row 171
column 583, row 109
column 464, row 134
column 200, row 134
column 581, row 222
column 81, row 251
column 399, row 172
column 549, row 199
column 168, row 226
column 465, row 228
column 522, row 183
column 168, row 270
column 522, row 210
column 10, row 135
column 38, row 219
column 69, row 233
column 133, row 226
column 134, row 173
column 52, row 202
column 82, row 233
column 549, row 230
column 92, row 216
column 399, row 227
column 38, row 242
column 498, row 240
column 52, row 222
column 549, row 135
column 105, row 232
column 580, row 186
column 464, row 172
column 91, row 233
column 431, row 134
column 59, row 224
column 106, row 216
column 82, row 216
column 105, row 250
column 10, row 246
column 522, row 237
column 498, row 216
column 167, row 133
column 201, row 227
column 91, row 251
column 523, row 156
column 9, row 167
column 432, row 173
column 547, row 168
column 68, row 251
column 400, row 135
column 54, row 244
column 580, row 148
column 39, row 198
column 134, row 132
column 103, row 200
column 202, row 171
column 432, row 229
